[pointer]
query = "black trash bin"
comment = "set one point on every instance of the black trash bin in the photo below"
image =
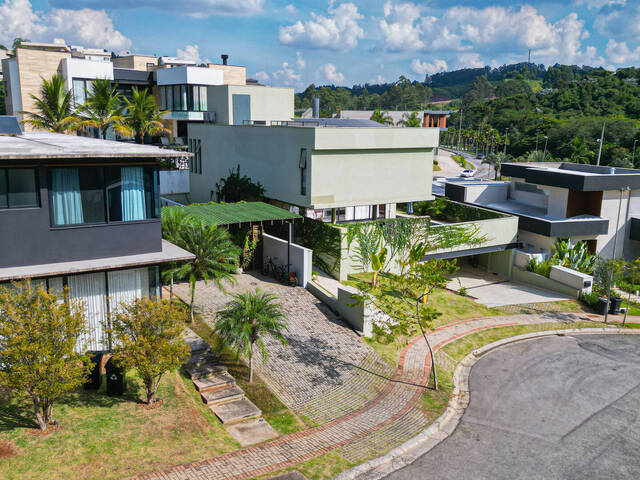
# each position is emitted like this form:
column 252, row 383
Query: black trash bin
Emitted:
column 614, row 306
column 94, row 380
column 602, row 306
column 115, row 378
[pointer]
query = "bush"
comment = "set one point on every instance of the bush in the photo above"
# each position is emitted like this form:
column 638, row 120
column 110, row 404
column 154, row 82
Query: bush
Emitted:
column 541, row 268
column 592, row 299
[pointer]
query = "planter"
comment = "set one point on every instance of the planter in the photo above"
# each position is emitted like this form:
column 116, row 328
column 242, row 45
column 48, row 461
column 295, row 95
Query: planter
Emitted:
column 616, row 303
column 602, row 306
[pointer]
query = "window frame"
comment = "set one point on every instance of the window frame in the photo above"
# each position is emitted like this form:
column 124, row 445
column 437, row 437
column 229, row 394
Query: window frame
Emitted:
column 185, row 97
column 36, row 181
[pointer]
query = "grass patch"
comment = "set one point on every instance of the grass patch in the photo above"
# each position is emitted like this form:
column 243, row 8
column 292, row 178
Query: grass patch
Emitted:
column 275, row 412
column 105, row 437
column 318, row 468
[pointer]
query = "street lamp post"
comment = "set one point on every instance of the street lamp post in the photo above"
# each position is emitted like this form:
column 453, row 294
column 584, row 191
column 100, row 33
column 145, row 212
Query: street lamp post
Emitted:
column 544, row 154
column 613, row 255
column 601, row 142
column 633, row 156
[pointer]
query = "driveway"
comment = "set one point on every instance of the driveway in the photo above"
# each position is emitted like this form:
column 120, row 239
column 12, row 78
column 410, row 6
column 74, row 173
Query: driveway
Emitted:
column 496, row 291
column 562, row 407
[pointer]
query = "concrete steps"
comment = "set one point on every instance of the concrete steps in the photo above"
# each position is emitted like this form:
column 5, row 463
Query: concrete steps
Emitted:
column 231, row 413
column 214, row 382
column 224, row 395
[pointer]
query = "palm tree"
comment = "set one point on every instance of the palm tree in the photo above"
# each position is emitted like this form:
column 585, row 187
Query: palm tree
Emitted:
column 103, row 109
column 174, row 220
column 216, row 255
column 496, row 160
column 246, row 319
column 143, row 115
column 580, row 152
column 411, row 120
column 381, row 117
column 53, row 107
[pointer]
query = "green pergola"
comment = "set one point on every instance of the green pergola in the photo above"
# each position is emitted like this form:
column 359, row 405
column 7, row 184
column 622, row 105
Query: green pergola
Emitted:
column 238, row 213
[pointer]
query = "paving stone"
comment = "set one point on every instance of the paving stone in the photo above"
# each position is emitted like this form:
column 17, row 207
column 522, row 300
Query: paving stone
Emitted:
column 194, row 341
column 216, row 397
column 236, row 411
column 202, row 357
column 289, row 476
column 214, row 382
column 252, row 432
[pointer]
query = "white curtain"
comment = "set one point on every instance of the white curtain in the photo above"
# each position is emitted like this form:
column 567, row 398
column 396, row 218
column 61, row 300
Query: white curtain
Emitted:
column 363, row 212
column 126, row 286
column 91, row 289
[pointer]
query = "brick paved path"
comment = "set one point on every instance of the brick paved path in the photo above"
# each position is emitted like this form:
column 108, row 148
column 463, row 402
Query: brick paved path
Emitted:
column 392, row 410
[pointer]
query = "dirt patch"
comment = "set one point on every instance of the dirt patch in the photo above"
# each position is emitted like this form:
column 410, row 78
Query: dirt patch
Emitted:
column 157, row 404
column 51, row 428
column 7, row 449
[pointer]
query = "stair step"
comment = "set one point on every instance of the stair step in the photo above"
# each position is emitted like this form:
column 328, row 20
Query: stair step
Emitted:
column 203, row 357
column 197, row 372
column 237, row 411
column 214, row 382
column 223, row 395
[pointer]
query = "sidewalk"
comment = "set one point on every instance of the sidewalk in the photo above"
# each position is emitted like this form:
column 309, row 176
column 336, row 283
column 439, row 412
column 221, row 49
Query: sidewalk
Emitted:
column 392, row 412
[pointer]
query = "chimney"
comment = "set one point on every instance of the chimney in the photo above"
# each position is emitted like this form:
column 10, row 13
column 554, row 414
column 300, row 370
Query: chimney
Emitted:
column 316, row 108
column 224, row 57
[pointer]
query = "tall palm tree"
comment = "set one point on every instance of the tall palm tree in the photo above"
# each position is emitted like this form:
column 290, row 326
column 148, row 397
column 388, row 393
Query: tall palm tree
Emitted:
column 216, row 255
column 174, row 220
column 54, row 107
column 381, row 117
column 103, row 109
column 411, row 120
column 246, row 319
column 496, row 160
column 143, row 115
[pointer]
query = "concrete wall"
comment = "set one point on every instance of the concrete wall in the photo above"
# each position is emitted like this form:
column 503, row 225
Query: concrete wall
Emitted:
column 80, row 68
column 486, row 194
column 174, row 181
column 188, row 76
column 528, row 198
column 632, row 247
column 610, row 204
column 135, row 62
column 524, row 276
column 557, row 201
column 232, row 74
column 299, row 257
column 360, row 315
column 11, row 79
column 267, row 103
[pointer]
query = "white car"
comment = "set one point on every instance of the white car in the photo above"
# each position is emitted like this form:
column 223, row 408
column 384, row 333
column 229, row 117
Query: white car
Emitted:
column 467, row 173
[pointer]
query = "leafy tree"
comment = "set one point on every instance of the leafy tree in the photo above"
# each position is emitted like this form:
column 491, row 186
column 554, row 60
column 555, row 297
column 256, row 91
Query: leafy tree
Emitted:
column 216, row 256
column 381, row 117
column 412, row 120
column 236, row 188
column 53, row 107
column 580, row 153
column 18, row 41
column 143, row 115
column 38, row 341
column 173, row 221
column 248, row 318
column 148, row 337
column 103, row 109
column 631, row 273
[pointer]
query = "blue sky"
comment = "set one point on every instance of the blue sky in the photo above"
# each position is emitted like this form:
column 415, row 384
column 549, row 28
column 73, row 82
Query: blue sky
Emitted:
column 294, row 43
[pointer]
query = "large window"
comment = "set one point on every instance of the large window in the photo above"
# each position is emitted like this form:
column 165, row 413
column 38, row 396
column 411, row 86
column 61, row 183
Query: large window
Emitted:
column 81, row 87
column 191, row 98
column 18, row 188
column 86, row 195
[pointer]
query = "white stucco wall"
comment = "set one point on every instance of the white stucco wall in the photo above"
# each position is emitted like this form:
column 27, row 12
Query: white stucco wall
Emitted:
column 267, row 103
column 299, row 257
column 174, row 181
column 486, row 194
column 610, row 204
column 632, row 247
column 557, row 201
column 189, row 76
column 81, row 68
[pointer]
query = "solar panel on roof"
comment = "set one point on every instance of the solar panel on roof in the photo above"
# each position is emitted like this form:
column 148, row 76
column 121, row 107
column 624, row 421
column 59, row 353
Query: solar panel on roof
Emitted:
column 9, row 125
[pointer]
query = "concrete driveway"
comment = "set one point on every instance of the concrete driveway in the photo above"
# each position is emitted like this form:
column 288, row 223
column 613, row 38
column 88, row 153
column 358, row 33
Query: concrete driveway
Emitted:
column 496, row 291
column 562, row 407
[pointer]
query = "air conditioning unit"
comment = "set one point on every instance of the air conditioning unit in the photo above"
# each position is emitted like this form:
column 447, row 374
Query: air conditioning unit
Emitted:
column 209, row 117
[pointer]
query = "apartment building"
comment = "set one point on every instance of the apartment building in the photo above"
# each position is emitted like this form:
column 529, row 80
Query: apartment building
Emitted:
column 83, row 213
column 563, row 200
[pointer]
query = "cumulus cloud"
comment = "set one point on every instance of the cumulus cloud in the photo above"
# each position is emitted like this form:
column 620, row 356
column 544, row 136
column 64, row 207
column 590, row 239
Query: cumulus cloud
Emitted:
column 191, row 8
column 620, row 54
column 300, row 62
column 262, row 77
column 619, row 21
column 332, row 74
column 190, row 52
column 400, row 27
column 291, row 9
column 286, row 76
column 339, row 30
column 598, row 4
column 91, row 28
column 428, row 68
column 469, row 60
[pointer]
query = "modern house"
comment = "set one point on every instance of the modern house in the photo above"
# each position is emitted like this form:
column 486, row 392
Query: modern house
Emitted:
column 428, row 118
column 83, row 213
column 563, row 200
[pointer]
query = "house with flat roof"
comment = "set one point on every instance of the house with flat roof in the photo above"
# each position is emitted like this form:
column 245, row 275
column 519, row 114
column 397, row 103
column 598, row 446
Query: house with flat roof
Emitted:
column 428, row 118
column 83, row 213
column 563, row 200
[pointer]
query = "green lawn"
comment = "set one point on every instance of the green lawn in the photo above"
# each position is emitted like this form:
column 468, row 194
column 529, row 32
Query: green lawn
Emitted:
column 105, row 437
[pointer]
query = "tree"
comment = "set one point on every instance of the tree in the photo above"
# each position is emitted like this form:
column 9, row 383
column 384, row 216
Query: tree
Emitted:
column 173, row 220
column 247, row 319
column 216, row 256
column 38, row 341
column 103, row 109
column 143, row 115
column 18, row 41
column 412, row 120
column 148, row 337
column 631, row 272
column 381, row 117
column 496, row 160
column 236, row 188
column 53, row 107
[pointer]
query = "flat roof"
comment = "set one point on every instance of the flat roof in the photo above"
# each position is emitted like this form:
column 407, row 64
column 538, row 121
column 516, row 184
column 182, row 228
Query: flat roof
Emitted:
column 241, row 212
column 169, row 253
column 56, row 145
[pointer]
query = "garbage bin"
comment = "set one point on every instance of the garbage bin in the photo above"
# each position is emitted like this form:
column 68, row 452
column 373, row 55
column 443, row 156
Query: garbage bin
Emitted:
column 115, row 378
column 94, row 380
column 602, row 306
column 614, row 306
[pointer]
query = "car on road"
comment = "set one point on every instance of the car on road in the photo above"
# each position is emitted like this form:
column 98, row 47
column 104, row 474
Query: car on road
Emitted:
column 467, row 173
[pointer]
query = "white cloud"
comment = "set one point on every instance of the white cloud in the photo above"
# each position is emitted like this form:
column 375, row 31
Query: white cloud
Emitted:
column 332, row 75
column 620, row 54
column 300, row 62
column 598, row 4
column 190, row 52
column 262, row 77
column 339, row 30
column 400, row 28
column 619, row 21
column 91, row 28
column 422, row 68
column 191, row 8
column 291, row 9
column 378, row 80
column 469, row 60
column 286, row 76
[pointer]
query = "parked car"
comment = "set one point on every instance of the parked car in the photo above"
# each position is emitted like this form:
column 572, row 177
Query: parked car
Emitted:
column 467, row 173
column 480, row 156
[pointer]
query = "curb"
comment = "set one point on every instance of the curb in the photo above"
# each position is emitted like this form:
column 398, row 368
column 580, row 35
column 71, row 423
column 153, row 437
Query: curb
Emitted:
column 445, row 425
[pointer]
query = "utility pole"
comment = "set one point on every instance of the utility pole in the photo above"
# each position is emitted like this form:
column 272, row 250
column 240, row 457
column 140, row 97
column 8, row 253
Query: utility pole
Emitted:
column 506, row 137
column 460, row 130
column 601, row 141
column 613, row 255
column 544, row 154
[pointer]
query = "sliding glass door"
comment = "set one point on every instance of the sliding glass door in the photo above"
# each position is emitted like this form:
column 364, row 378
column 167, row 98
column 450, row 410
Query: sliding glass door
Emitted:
column 91, row 290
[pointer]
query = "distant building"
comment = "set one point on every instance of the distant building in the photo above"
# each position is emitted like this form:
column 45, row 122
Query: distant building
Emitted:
column 428, row 118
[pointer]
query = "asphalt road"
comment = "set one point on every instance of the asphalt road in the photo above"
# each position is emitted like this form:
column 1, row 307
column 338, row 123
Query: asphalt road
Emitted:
column 561, row 407
column 484, row 170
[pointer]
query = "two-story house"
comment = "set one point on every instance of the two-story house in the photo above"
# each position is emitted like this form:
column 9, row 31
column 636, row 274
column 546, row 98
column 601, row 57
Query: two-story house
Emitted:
column 83, row 213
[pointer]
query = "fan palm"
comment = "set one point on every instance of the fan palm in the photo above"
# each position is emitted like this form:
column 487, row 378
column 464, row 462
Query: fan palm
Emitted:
column 411, row 120
column 496, row 160
column 381, row 117
column 143, row 116
column 246, row 319
column 174, row 220
column 216, row 255
column 103, row 109
column 53, row 107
